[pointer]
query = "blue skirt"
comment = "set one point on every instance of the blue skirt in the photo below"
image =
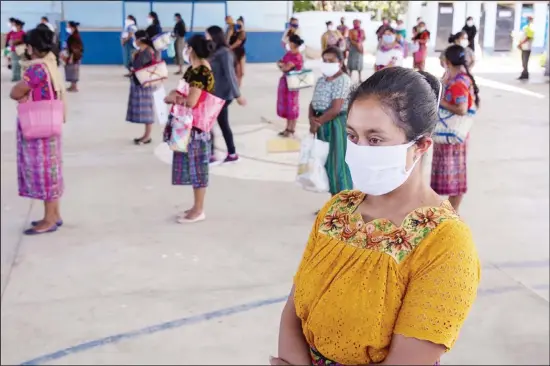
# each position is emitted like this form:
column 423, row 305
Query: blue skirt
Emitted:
column 140, row 104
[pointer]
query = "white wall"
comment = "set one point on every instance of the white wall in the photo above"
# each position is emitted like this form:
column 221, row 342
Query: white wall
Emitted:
column 312, row 26
column 430, row 13
column 261, row 15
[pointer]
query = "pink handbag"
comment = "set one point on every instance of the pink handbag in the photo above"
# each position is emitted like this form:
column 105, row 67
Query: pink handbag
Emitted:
column 206, row 111
column 41, row 118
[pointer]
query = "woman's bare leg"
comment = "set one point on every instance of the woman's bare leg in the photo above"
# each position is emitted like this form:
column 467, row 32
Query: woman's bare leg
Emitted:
column 198, row 204
column 147, row 134
column 51, row 209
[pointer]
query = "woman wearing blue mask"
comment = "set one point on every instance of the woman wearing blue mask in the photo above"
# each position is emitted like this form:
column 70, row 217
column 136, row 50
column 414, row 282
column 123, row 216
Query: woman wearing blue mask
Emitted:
column 390, row 271
column 390, row 52
column 237, row 39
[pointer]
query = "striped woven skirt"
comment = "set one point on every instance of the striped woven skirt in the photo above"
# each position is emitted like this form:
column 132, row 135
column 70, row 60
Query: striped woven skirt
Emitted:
column 317, row 359
column 72, row 72
column 140, row 104
column 288, row 101
column 39, row 167
column 449, row 169
column 334, row 132
column 191, row 168
column 15, row 67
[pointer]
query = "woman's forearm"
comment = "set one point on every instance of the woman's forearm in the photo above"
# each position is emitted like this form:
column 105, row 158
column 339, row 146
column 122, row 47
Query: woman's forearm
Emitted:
column 293, row 347
column 329, row 115
column 455, row 109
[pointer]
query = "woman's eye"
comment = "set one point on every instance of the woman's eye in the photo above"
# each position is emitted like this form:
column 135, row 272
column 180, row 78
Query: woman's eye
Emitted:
column 374, row 141
column 352, row 137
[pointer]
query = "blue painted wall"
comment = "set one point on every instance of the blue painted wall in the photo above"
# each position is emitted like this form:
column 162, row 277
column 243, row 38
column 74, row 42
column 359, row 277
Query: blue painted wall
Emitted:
column 103, row 48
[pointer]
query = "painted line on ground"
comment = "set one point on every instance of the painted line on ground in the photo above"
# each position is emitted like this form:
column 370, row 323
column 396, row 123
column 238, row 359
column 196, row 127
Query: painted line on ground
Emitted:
column 209, row 316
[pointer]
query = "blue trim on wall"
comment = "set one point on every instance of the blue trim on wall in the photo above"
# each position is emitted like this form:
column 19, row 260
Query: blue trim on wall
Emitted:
column 103, row 48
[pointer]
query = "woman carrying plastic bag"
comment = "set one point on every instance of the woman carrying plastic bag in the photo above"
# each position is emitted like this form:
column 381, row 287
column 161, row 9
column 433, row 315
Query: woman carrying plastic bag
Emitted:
column 312, row 175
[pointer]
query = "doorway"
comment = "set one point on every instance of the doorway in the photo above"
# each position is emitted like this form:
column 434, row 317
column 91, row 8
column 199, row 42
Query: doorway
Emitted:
column 504, row 27
column 444, row 26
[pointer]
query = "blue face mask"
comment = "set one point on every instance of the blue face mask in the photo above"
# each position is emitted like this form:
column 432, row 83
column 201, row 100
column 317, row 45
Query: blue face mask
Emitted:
column 388, row 38
column 237, row 27
column 294, row 26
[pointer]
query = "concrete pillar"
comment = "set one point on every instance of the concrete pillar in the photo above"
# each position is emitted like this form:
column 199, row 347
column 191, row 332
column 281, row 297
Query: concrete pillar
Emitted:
column 539, row 24
column 517, row 22
column 490, row 24
column 430, row 17
column 414, row 11
column 459, row 15
column 473, row 9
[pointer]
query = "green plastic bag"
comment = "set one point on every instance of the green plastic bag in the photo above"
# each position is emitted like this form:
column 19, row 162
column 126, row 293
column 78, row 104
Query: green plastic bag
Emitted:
column 6, row 51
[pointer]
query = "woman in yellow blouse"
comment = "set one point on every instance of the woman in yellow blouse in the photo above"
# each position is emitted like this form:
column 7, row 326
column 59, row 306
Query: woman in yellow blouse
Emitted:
column 390, row 271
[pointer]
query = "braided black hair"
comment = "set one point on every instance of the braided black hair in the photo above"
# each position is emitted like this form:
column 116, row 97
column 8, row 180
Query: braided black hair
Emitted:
column 456, row 55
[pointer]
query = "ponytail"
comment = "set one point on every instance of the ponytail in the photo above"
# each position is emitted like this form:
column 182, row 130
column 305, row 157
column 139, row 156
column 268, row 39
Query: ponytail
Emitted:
column 476, row 89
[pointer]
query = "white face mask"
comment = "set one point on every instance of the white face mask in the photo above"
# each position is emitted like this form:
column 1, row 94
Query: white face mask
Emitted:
column 302, row 48
column 469, row 23
column 128, row 22
column 287, row 47
column 377, row 170
column 13, row 28
column 68, row 30
column 393, row 25
column 149, row 21
column 464, row 43
column 135, row 45
column 331, row 28
column 330, row 69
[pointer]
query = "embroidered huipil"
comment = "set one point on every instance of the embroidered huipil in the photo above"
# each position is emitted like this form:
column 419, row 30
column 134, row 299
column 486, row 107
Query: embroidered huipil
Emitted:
column 359, row 283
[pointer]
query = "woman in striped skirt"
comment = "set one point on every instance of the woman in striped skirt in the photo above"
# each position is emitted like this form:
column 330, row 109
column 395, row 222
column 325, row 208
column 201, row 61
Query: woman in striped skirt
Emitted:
column 460, row 97
column 140, row 102
column 39, row 160
column 327, row 117
column 75, row 49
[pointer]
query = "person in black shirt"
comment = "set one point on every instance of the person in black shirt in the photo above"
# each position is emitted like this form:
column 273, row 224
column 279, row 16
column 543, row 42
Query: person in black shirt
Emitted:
column 179, row 45
column 471, row 31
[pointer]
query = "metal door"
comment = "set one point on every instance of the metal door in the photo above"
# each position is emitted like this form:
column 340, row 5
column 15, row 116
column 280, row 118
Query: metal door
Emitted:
column 444, row 26
column 504, row 27
column 481, row 33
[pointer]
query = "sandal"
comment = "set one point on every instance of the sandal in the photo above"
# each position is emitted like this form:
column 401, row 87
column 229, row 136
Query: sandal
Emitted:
column 286, row 133
column 140, row 141
column 33, row 231
column 185, row 220
column 58, row 223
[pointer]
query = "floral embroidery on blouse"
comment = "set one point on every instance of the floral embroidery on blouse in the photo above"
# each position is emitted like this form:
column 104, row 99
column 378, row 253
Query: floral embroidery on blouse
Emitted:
column 343, row 223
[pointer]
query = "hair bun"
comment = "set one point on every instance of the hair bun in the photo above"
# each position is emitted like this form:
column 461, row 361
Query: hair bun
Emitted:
column 434, row 82
column 210, row 46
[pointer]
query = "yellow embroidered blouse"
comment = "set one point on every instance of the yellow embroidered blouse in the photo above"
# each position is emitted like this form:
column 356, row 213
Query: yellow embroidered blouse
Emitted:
column 359, row 283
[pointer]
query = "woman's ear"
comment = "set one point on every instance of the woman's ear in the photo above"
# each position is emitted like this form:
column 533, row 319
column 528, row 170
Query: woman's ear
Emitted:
column 423, row 145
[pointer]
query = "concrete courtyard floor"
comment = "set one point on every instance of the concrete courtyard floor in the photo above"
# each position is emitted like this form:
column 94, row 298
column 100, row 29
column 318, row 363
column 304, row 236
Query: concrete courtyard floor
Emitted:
column 121, row 283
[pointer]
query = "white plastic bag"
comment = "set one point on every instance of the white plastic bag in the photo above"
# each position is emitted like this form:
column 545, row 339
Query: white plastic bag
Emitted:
column 312, row 175
column 161, row 108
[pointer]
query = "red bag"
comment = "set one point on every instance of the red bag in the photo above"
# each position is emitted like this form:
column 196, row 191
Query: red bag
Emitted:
column 207, row 109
